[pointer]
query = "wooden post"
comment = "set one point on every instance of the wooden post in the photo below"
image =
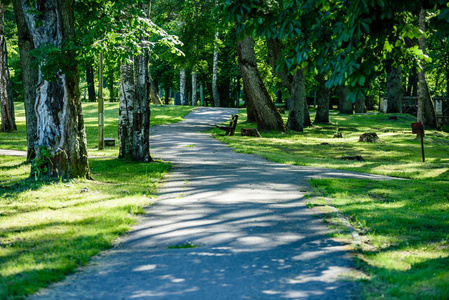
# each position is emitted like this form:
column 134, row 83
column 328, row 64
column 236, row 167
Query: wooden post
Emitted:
column 100, row 105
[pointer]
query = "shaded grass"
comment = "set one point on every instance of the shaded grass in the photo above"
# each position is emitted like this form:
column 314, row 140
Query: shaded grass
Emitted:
column 398, row 153
column 404, row 225
column 50, row 228
column 159, row 115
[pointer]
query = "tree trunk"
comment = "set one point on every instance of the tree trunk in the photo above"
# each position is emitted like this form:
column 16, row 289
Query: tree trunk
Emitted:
column 90, row 82
column 167, row 95
column 274, row 48
column 323, row 94
column 426, row 110
column 359, row 106
column 61, row 147
column 182, row 87
column 29, row 77
column 298, row 94
column 6, row 98
column 215, row 94
column 394, row 91
column 345, row 106
column 153, row 91
column 126, row 110
column 141, row 112
column 266, row 114
column 194, row 88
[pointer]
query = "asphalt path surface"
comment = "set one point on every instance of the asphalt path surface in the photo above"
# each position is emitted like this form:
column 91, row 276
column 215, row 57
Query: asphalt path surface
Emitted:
column 255, row 237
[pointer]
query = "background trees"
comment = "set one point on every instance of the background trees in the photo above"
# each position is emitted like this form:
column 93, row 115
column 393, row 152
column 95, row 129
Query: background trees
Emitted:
column 303, row 49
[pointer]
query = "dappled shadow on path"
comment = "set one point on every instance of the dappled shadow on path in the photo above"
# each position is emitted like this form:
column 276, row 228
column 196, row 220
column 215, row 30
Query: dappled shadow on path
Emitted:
column 255, row 237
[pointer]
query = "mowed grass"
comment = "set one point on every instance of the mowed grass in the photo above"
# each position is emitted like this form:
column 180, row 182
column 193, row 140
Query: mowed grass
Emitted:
column 159, row 115
column 403, row 224
column 49, row 228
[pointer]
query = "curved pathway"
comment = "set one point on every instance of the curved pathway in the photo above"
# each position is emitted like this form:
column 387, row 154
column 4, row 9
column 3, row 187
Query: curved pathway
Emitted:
column 255, row 237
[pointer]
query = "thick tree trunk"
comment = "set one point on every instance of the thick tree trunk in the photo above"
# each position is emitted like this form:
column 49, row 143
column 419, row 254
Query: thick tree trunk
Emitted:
column 61, row 146
column 394, row 90
column 266, row 114
column 29, row 77
column 323, row 94
column 345, row 106
column 426, row 110
column 215, row 94
column 141, row 112
column 274, row 48
column 194, row 88
column 90, row 82
column 296, row 113
column 126, row 110
column 6, row 98
column 182, row 87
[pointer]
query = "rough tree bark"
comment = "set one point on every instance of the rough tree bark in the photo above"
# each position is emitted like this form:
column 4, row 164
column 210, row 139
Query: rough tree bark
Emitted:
column 29, row 77
column 323, row 94
column 6, row 98
column 266, row 114
column 394, row 90
column 194, row 88
column 345, row 106
column 426, row 111
column 215, row 94
column 126, row 110
column 274, row 48
column 60, row 124
column 296, row 113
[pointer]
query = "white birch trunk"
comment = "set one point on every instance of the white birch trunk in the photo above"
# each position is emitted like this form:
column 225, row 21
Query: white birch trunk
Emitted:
column 182, row 87
column 215, row 94
column 194, row 88
column 126, row 109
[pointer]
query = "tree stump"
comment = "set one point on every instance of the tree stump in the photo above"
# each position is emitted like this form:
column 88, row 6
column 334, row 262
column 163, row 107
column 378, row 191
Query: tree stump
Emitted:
column 370, row 137
column 338, row 135
column 250, row 132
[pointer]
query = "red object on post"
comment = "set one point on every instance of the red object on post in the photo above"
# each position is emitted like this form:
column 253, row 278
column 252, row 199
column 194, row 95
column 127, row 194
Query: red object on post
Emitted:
column 418, row 128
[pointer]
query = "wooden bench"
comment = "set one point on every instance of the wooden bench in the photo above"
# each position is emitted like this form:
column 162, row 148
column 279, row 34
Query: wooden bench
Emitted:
column 231, row 128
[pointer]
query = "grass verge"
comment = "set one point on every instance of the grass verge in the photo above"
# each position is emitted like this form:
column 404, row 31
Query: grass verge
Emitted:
column 403, row 224
column 49, row 228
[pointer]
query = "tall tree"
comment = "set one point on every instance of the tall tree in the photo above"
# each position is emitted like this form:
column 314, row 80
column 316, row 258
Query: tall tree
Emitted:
column 265, row 112
column 29, row 77
column 215, row 94
column 6, row 98
column 61, row 148
column 426, row 110
column 394, row 90
column 141, row 106
column 126, row 109
column 323, row 98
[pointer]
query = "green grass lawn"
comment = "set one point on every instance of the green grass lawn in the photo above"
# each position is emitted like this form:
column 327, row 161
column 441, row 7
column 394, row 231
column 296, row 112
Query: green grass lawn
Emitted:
column 403, row 224
column 49, row 228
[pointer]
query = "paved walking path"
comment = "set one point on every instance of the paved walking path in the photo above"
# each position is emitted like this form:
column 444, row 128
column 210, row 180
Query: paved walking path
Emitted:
column 256, row 237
